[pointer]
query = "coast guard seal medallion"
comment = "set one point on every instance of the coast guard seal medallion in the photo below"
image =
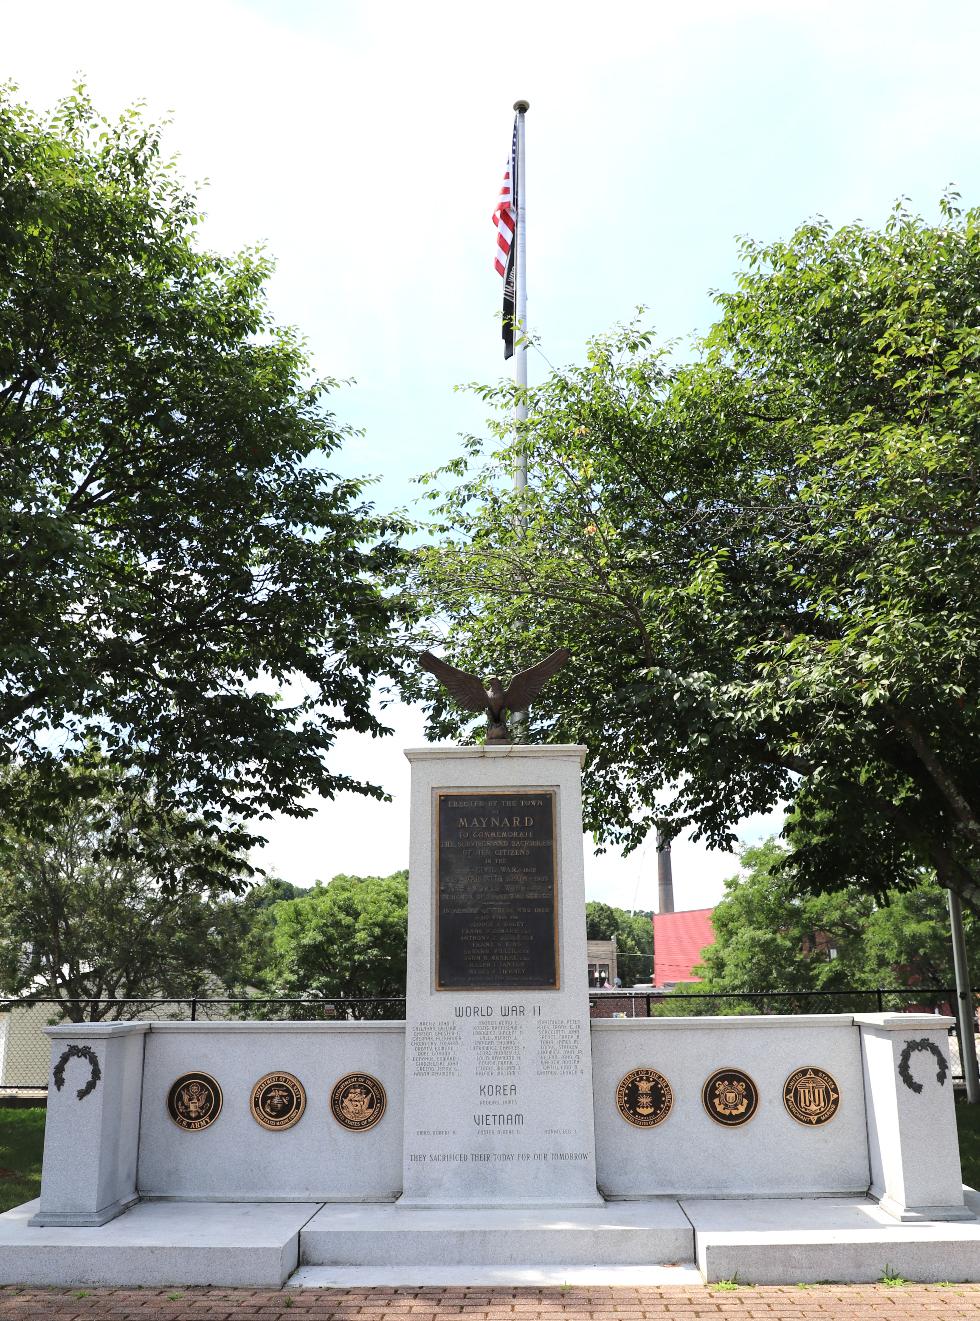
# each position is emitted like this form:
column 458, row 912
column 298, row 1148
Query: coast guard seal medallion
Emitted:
column 811, row 1096
column 644, row 1098
column 194, row 1101
column 358, row 1101
column 730, row 1097
column 278, row 1101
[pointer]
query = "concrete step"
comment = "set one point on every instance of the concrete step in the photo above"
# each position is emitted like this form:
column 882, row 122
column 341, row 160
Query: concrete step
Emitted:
column 618, row 1234
column 499, row 1277
column 833, row 1240
column 158, row 1243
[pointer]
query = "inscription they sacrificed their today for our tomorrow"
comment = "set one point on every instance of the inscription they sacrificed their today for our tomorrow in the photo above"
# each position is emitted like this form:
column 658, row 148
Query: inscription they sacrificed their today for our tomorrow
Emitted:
column 497, row 892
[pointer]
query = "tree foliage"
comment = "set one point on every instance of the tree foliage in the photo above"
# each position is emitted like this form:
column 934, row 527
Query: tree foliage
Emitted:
column 184, row 586
column 634, row 938
column 346, row 938
column 90, row 928
column 764, row 559
column 773, row 936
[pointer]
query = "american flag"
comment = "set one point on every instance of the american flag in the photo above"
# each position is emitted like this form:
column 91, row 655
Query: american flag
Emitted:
column 505, row 223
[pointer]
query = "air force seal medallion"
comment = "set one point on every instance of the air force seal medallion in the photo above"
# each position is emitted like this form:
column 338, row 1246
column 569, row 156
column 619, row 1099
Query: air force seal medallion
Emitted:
column 644, row 1098
column 730, row 1097
column 358, row 1101
column 278, row 1101
column 811, row 1096
column 194, row 1101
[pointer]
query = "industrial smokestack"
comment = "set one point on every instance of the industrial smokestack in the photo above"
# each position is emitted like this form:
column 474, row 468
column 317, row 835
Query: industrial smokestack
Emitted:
column 665, row 877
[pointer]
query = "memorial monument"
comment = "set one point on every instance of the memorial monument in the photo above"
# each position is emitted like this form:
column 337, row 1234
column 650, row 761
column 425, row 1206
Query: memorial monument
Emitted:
column 498, row 1134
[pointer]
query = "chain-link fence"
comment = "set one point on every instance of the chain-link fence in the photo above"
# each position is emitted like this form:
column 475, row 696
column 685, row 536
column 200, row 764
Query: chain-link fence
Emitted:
column 25, row 1051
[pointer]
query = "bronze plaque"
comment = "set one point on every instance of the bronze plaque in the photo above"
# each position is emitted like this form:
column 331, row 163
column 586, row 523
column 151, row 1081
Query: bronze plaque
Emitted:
column 358, row 1101
column 278, row 1101
column 730, row 1097
column 811, row 1096
column 644, row 1098
column 496, row 892
column 194, row 1101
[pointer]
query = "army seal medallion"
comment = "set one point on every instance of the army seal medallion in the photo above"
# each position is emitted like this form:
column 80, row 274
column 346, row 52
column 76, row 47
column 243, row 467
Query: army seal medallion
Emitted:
column 644, row 1098
column 730, row 1097
column 194, row 1101
column 278, row 1101
column 358, row 1101
column 811, row 1096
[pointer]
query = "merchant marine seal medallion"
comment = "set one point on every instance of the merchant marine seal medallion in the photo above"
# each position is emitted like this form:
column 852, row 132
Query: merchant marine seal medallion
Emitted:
column 644, row 1098
column 358, row 1101
column 811, row 1096
column 730, row 1097
column 194, row 1101
column 278, row 1101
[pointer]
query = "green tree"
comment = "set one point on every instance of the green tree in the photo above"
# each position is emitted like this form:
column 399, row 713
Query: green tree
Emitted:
column 773, row 936
column 91, row 928
column 346, row 938
column 634, row 938
column 764, row 560
column 183, row 583
column 255, row 914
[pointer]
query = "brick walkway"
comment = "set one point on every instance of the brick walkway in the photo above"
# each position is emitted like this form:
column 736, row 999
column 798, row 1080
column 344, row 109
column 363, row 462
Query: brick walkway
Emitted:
column 957, row 1302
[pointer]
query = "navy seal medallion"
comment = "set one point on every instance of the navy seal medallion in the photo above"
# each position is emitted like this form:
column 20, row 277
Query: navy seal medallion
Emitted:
column 278, row 1101
column 358, row 1101
column 194, row 1101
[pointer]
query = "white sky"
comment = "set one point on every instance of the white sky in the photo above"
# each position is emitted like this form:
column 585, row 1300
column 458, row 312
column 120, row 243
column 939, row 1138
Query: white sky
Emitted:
column 364, row 143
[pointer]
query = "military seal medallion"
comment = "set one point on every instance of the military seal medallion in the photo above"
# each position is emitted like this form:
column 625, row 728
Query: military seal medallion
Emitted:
column 358, row 1101
column 644, row 1098
column 730, row 1097
column 811, row 1096
column 194, row 1101
column 278, row 1101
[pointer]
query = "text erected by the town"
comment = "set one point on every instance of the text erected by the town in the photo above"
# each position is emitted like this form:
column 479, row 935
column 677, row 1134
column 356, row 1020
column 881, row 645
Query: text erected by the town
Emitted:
column 496, row 892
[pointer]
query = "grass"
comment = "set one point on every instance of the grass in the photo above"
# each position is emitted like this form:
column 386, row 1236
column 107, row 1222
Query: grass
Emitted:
column 891, row 1279
column 968, row 1123
column 21, row 1144
column 22, row 1141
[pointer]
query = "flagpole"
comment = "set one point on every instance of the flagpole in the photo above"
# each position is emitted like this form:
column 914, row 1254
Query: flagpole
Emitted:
column 520, row 297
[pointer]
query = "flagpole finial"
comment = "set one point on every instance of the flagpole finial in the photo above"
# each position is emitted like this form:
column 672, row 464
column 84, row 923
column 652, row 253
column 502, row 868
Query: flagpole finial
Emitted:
column 522, row 106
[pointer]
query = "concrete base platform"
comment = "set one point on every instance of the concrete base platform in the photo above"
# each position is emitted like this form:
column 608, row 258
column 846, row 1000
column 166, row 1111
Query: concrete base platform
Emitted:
column 662, row 1241
column 828, row 1240
column 159, row 1243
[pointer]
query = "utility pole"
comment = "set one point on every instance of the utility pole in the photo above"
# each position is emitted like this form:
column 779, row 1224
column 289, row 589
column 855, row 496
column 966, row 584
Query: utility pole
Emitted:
column 965, row 1003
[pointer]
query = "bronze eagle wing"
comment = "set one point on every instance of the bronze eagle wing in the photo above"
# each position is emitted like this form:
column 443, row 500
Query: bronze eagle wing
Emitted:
column 466, row 688
column 526, row 685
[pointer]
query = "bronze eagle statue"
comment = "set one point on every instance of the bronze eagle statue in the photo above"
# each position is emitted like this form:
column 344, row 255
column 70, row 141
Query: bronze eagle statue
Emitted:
column 495, row 699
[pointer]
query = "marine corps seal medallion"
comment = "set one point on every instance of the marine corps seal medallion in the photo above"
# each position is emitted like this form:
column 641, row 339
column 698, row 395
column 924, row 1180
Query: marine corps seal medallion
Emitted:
column 194, row 1101
column 358, row 1101
column 811, row 1096
column 644, row 1098
column 730, row 1097
column 278, row 1101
